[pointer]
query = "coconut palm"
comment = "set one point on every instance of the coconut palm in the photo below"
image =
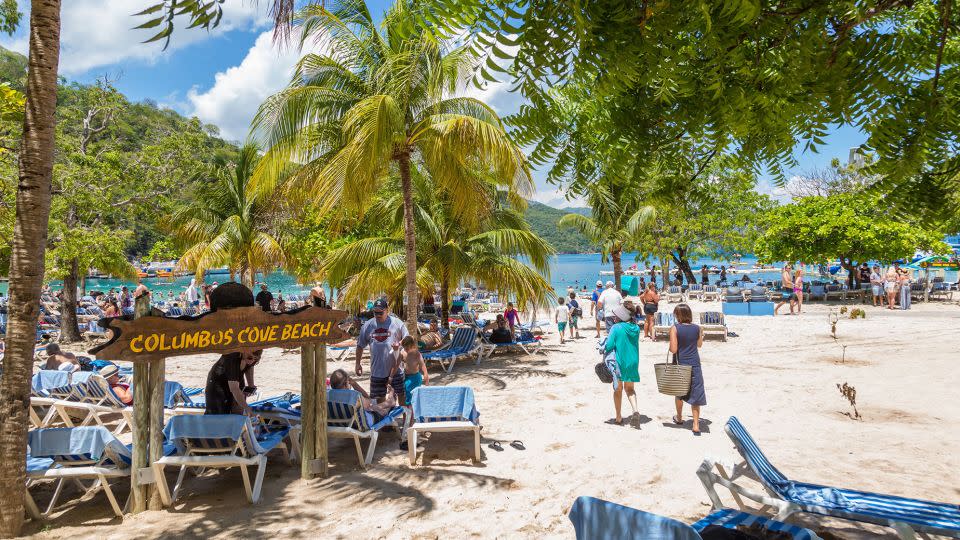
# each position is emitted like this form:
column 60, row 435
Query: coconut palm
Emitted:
column 449, row 250
column 380, row 101
column 617, row 216
column 228, row 223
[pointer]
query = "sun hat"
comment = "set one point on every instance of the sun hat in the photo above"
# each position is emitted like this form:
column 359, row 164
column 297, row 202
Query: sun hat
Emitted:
column 109, row 371
column 622, row 313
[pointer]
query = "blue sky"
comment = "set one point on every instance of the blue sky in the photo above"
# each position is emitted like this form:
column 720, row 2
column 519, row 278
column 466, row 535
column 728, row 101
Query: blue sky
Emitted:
column 222, row 76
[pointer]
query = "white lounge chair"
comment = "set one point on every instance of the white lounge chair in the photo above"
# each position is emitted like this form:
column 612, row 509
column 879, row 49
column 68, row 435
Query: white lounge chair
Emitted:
column 906, row 516
column 443, row 408
column 218, row 441
column 463, row 344
column 675, row 294
column 662, row 322
column 347, row 419
column 710, row 293
column 713, row 323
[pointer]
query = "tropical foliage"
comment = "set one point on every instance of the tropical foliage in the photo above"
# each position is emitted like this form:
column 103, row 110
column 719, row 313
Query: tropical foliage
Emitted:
column 229, row 223
column 850, row 227
column 378, row 103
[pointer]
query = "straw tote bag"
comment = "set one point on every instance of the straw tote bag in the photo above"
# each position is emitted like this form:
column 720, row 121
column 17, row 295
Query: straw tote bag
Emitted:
column 673, row 379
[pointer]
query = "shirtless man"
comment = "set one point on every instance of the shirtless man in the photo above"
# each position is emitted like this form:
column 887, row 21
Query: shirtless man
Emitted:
column 786, row 288
column 317, row 297
column 57, row 359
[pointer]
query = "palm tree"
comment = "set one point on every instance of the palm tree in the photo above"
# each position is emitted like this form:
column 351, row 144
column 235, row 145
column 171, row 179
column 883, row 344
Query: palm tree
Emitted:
column 382, row 101
column 449, row 250
column 228, row 223
column 617, row 216
column 27, row 260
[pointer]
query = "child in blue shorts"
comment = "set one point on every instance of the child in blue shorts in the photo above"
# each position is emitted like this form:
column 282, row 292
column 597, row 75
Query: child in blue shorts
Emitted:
column 414, row 367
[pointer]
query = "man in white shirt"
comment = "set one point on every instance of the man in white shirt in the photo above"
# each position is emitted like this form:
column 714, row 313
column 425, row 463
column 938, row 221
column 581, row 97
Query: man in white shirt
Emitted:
column 609, row 299
column 561, row 315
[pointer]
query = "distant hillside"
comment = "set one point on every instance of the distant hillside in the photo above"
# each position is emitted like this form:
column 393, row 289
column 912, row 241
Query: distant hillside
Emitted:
column 13, row 68
column 543, row 220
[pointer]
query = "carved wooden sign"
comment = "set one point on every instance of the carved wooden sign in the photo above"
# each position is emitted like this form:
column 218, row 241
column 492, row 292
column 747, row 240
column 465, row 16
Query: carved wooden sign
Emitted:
column 221, row 331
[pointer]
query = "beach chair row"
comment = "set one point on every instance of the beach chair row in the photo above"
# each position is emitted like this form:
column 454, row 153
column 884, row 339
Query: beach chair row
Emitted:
column 713, row 323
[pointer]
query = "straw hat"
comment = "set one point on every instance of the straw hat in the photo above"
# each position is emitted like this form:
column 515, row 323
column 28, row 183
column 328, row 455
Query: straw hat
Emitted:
column 109, row 371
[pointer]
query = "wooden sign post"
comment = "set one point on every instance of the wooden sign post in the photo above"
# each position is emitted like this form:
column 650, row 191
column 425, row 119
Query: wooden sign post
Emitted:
column 149, row 340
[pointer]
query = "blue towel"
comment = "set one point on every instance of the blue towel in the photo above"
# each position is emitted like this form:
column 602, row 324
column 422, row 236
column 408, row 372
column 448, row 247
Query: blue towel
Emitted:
column 601, row 520
column 81, row 377
column 38, row 464
column 610, row 359
column 444, row 403
column 45, row 379
column 209, row 426
column 67, row 444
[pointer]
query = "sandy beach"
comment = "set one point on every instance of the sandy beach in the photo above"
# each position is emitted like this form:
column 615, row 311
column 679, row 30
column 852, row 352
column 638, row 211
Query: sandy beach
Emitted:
column 778, row 376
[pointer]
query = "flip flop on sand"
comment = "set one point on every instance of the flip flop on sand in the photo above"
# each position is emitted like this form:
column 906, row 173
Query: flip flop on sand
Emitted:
column 677, row 421
column 495, row 445
column 613, row 421
column 518, row 445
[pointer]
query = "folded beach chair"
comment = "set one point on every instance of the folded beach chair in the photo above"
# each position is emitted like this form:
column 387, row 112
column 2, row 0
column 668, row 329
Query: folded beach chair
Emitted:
column 675, row 294
column 596, row 519
column 835, row 291
column 79, row 453
column 346, row 419
column 709, row 293
column 695, row 290
column 463, row 344
column 712, row 323
column 757, row 294
column 906, row 516
column 218, row 441
column 941, row 290
column 443, row 408
column 662, row 322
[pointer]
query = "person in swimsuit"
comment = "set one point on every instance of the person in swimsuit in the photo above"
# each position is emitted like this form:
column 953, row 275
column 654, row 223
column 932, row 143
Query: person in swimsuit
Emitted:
column 651, row 302
column 786, row 288
column 798, row 288
column 890, row 285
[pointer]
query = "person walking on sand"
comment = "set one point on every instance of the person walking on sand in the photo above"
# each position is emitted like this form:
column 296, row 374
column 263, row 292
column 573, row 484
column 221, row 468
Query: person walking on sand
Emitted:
column 561, row 316
column 651, row 303
column 624, row 341
column 786, row 288
column 905, row 299
column 685, row 339
column 890, row 283
column 594, row 309
column 876, row 286
column 798, row 288
column 704, row 275
column 609, row 299
column 575, row 313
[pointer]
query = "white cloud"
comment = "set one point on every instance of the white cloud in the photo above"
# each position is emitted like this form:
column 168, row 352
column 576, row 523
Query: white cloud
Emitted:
column 556, row 197
column 96, row 33
column 237, row 92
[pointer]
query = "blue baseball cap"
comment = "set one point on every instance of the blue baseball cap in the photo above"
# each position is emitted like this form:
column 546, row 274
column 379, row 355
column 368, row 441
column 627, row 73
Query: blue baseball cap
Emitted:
column 380, row 305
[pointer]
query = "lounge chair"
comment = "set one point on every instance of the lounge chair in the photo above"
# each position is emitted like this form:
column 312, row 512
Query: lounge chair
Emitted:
column 695, row 290
column 596, row 519
column 526, row 343
column 906, row 516
column 917, row 291
column 92, row 400
column 77, row 453
column 941, row 290
column 662, row 322
column 42, row 411
column 835, row 291
column 816, row 292
column 757, row 294
column 710, row 293
column 443, row 408
column 219, row 441
column 712, row 323
column 347, row 419
column 463, row 344
column 675, row 294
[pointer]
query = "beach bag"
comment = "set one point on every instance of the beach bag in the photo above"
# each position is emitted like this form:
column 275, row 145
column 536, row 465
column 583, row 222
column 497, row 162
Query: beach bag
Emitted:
column 673, row 379
column 603, row 372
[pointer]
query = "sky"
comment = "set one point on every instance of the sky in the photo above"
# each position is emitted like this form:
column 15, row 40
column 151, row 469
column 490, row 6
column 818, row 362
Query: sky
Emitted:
column 223, row 75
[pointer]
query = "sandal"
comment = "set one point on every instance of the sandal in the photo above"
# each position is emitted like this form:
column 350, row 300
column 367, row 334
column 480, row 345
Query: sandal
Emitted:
column 677, row 420
column 518, row 445
column 495, row 445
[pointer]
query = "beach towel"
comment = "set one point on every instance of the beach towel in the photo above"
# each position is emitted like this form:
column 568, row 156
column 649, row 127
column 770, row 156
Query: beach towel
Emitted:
column 595, row 519
column 444, row 403
column 76, row 444
column 45, row 379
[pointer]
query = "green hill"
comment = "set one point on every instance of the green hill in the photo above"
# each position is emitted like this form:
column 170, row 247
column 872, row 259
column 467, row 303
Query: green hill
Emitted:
column 13, row 68
column 543, row 220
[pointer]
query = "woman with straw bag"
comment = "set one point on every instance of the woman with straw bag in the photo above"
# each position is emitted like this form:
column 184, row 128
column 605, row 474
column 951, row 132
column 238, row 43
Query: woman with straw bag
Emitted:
column 685, row 339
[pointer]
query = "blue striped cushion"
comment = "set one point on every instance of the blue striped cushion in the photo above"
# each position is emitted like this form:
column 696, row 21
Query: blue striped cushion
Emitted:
column 225, row 444
column 768, row 474
column 730, row 519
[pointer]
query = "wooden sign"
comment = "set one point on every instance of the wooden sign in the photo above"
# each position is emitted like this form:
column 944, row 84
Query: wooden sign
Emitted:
column 222, row 331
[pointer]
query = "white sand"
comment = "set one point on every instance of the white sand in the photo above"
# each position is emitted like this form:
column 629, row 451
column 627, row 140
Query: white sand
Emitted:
column 779, row 377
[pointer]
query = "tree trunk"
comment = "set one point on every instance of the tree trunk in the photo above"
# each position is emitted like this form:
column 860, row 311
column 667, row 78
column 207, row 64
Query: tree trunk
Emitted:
column 680, row 258
column 445, row 301
column 27, row 257
column 69, row 329
column 850, row 267
column 665, row 272
column 617, row 269
column 409, row 241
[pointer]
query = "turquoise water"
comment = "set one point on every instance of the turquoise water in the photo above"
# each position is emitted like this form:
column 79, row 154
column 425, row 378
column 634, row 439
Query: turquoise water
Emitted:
column 568, row 270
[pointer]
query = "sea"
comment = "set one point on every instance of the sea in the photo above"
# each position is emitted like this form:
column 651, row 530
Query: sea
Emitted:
column 577, row 270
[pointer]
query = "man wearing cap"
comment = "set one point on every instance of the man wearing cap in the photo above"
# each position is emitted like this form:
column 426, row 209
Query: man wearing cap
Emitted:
column 383, row 334
column 608, row 300
column 595, row 311
column 112, row 374
column 264, row 299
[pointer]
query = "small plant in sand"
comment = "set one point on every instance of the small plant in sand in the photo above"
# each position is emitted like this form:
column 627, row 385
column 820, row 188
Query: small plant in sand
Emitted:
column 843, row 310
column 833, row 317
column 850, row 393
column 858, row 313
